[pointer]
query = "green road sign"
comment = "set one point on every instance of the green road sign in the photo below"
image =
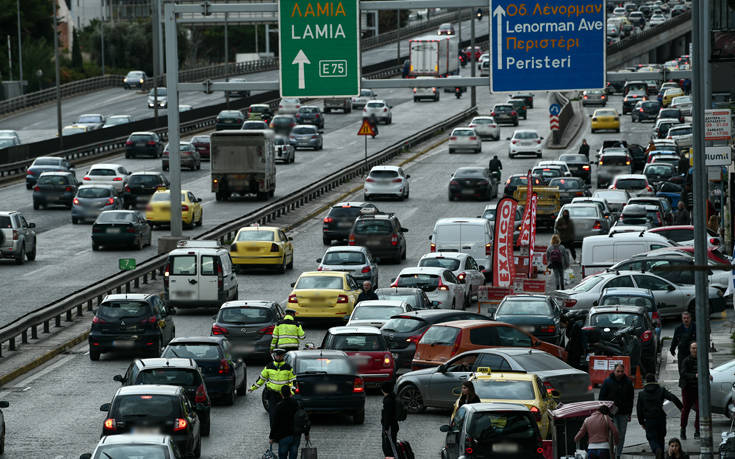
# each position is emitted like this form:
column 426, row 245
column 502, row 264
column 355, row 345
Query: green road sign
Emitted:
column 126, row 264
column 319, row 48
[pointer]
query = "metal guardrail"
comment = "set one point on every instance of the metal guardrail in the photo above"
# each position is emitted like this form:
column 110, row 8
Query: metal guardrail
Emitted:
column 74, row 305
column 646, row 34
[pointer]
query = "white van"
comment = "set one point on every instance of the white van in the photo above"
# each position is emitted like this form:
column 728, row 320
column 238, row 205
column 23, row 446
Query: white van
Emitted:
column 199, row 274
column 472, row 236
column 601, row 252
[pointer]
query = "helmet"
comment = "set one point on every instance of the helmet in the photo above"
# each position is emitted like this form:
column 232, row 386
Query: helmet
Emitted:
column 290, row 312
column 278, row 351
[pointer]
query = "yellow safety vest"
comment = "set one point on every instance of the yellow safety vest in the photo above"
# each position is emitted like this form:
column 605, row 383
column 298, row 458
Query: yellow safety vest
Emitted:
column 275, row 375
column 286, row 335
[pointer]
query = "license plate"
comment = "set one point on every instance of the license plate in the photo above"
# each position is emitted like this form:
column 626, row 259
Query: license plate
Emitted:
column 251, row 249
column 505, row 448
column 344, row 224
column 123, row 344
column 527, row 143
column 146, row 430
column 140, row 144
column 184, row 293
column 373, row 243
column 113, row 230
column 325, row 388
column 528, row 329
column 466, row 191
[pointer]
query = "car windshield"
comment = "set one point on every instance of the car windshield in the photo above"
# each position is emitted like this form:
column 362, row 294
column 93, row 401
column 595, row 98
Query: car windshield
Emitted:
column 255, row 235
column 493, row 426
column 423, row 281
column 344, row 258
column 440, row 262
column 440, row 335
column 628, row 300
column 53, row 180
column 73, row 130
column 320, row 282
column 376, row 227
column 356, row 342
column 540, row 362
column 581, row 211
column 148, row 406
column 616, row 320
column 205, row 351
column 92, row 193
column 375, row 312
column 470, row 172
column 523, row 307
column 403, row 324
column 115, row 217
column 383, row 174
column 200, row 139
column 566, row 184
column 330, row 365
column 131, row 451
column 245, row 315
column 587, row 284
column 135, row 74
column 160, row 91
column 631, row 184
column 117, row 120
column 123, row 308
column 303, row 130
column 169, row 376
column 144, row 179
column 89, row 119
column 499, row 389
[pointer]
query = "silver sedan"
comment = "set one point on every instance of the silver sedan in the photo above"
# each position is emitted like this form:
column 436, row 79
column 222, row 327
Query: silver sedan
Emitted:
column 722, row 390
column 587, row 219
column 486, row 127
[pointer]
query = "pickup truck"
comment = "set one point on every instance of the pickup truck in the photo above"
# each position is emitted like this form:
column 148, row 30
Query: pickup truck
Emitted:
column 547, row 203
column 338, row 103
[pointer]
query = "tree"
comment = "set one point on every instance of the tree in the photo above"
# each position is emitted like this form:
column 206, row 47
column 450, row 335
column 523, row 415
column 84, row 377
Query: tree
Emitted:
column 76, row 53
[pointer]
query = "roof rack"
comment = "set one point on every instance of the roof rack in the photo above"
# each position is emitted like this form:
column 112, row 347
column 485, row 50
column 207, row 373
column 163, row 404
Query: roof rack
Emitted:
column 203, row 244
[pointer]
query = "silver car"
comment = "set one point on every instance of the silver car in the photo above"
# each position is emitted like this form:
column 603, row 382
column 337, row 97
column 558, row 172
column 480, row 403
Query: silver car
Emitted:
column 354, row 259
column 306, row 136
column 569, row 188
column 92, row 200
column 485, row 127
column 387, row 181
column 285, row 152
column 722, row 389
column 248, row 326
column 19, row 237
column 462, row 265
column 682, row 135
column 588, row 220
column 616, row 199
column 158, row 97
column 683, row 103
column 139, row 444
column 375, row 313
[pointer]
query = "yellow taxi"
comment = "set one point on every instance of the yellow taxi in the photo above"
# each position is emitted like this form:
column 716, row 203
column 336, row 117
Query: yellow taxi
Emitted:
column 324, row 294
column 158, row 210
column 669, row 96
column 516, row 387
column 605, row 118
column 262, row 246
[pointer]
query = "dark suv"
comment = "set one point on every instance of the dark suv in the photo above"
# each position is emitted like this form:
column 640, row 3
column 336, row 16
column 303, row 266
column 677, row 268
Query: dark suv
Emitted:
column 505, row 113
column 135, row 321
column 229, row 119
column 382, row 234
column 633, row 96
column 645, row 110
column 141, row 186
column 310, row 114
column 338, row 222
column 282, row 124
column 162, row 409
column 519, row 104
column 143, row 144
column 172, row 372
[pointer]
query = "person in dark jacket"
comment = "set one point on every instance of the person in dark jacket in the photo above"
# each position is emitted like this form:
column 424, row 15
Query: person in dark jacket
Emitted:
column 688, row 379
column 682, row 214
column 683, row 165
column 675, row 451
column 389, row 418
column 618, row 388
column 282, row 428
column 367, row 293
column 564, row 227
column 584, row 148
column 684, row 335
column 468, row 394
column 651, row 414
column 495, row 164
column 576, row 343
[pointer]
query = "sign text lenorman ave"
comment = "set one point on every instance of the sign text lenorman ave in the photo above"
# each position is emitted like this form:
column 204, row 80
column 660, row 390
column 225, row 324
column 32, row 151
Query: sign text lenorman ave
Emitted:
column 547, row 45
column 319, row 48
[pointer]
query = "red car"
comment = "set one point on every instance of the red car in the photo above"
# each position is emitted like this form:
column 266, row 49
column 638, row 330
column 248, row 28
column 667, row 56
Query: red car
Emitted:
column 367, row 349
column 468, row 53
column 201, row 143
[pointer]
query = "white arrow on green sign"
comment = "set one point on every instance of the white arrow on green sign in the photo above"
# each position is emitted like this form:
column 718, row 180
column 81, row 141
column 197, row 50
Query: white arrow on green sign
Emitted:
column 126, row 264
column 319, row 48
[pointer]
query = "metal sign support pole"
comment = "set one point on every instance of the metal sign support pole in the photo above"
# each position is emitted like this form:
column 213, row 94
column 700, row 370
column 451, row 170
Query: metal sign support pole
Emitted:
column 473, row 90
column 366, row 165
column 699, row 190
column 227, row 61
column 57, row 63
column 172, row 76
column 156, row 35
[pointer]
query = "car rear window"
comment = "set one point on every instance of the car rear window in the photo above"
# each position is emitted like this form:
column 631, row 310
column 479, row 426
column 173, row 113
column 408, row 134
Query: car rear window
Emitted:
column 149, row 406
column 258, row 109
column 319, row 282
column 303, row 130
column 131, row 451
column 284, row 120
column 200, row 139
column 102, row 172
column 92, row 193
column 503, row 108
column 123, row 308
column 192, row 351
column 440, row 335
column 344, row 211
column 628, row 301
column 309, row 110
column 46, row 162
column 469, row 172
column 615, row 160
column 140, row 137
column 403, row 324
column 375, row 312
column 573, row 158
column 344, row 258
column 255, row 235
column 525, row 135
column 383, row 174
column 330, row 365
column 115, row 217
column 540, row 362
column 493, row 426
column 377, row 227
column 426, row 282
column 245, row 315
column 53, row 180
column 169, row 376
column 504, row 389
column 165, row 197
column 253, row 125
column 630, row 184
column 144, row 179
column 616, row 320
column 89, row 119
column 483, row 121
column 566, row 184
column 659, row 170
column 440, row 262
column 5, row 222
column 586, row 211
column 375, row 104
column 183, row 265
column 463, row 132
column 357, row 342
column 524, row 307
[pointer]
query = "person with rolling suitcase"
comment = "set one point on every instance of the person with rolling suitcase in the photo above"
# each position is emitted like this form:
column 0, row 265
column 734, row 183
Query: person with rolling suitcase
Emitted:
column 393, row 411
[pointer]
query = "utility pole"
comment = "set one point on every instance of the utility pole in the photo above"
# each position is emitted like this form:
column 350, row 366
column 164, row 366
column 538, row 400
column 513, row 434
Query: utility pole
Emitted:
column 174, row 158
column 157, row 67
column 102, row 34
column 473, row 90
column 58, row 78
column 10, row 60
column 227, row 61
column 20, row 47
column 398, row 37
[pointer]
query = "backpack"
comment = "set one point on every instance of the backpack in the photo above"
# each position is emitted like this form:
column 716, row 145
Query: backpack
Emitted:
column 404, row 450
column 401, row 411
column 301, row 421
column 555, row 256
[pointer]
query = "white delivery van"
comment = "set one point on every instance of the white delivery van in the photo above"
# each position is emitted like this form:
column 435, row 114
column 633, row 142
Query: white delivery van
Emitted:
column 601, row 252
column 199, row 274
column 472, row 236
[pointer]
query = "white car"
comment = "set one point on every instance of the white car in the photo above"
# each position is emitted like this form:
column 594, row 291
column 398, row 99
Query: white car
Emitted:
column 682, row 135
column 656, row 19
column 425, row 93
column 387, row 181
column 683, row 103
column 564, row 167
column 525, row 142
column 107, row 174
column 462, row 265
column 365, row 96
column 439, row 284
column 635, row 184
column 135, row 445
column 619, row 11
column 464, row 139
column 289, row 105
column 484, row 57
column 485, row 126
column 380, row 109
column 10, row 133
column 375, row 313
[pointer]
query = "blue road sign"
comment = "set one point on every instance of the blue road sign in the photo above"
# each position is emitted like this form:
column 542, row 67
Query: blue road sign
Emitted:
column 549, row 46
column 554, row 109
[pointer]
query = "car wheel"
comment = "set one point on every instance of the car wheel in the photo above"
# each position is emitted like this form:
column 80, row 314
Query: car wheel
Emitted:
column 358, row 417
column 28, row 186
column 290, row 263
column 411, row 397
column 617, row 130
column 511, row 155
column 206, row 426
column 201, row 219
column 139, row 243
column 35, row 205
column 538, row 155
column 32, row 254
column 95, row 247
column 454, row 305
column 198, row 450
column 94, row 355
column 515, row 123
column 326, row 241
column 156, row 349
column 229, row 399
column 282, row 267
column 451, row 151
column 74, row 220
column 242, row 389
column 21, row 255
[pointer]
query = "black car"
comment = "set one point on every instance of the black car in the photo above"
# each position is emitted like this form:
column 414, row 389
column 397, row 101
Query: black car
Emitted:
column 402, row 332
column 662, row 205
column 638, row 155
column 472, row 182
column 570, row 188
column 135, row 79
column 414, row 297
column 645, row 110
column 224, row 375
column 155, row 408
column 327, row 382
column 141, row 186
column 310, row 114
column 539, row 315
column 55, row 188
column 133, row 321
column 526, row 96
column 505, row 113
column 143, row 144
column 614, row 86
column 578, row 165
column 520, row 106
column 46, row 164
column 121, row 228
column 338, row 222
column 282, row 124
column 172, row 372
column 633, row 96
column 229, row 119
column 382, row 233
column 516, row 180
column 634, row 215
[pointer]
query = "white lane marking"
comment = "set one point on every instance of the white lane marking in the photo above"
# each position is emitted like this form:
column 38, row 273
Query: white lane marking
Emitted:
column 41, row 373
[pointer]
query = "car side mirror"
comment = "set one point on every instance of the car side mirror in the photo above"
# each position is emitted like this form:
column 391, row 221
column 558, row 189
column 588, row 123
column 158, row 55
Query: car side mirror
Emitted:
column 430, row 235
column 408, row 175
column 290, row 238
column 31, row 225
column 318, row 260
column 293, row 284
column 393, row 279
column 404, row 230
column 105, row 407
column 117, row 378
column 595, row 303
column 444, row 428
column 507, row 138
column 86, row 456
column 4, row 404
column 555, row 393
column 541, row 138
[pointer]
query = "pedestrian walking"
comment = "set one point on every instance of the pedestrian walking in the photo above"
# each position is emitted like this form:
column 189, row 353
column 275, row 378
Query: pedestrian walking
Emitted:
column 682, row 214
column 275, row 376
column 576, row 346
column 288, row 333
column 675, row 451
column 684, row 335
column 618, row 388
column 598, row 427
column 651, row 414
column 367, row 292
column 558, row 260
column 688, row 380
column 389, row 418
column 713, row 224
column 584, row 148
column 564, row 227
column 468, row 394
column 282, row 428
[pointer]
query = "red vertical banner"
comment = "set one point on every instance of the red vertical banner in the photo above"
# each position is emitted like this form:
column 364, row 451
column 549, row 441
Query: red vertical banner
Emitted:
column 524, row 235
column 503, row 263
column 532, row 233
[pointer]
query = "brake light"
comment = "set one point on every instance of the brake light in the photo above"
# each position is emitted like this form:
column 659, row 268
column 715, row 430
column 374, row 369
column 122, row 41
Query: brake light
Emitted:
column 388, row 360
column 217, row 330
column 117, row 179
column 274, row 247
column 342, row 299
column 432, row 247
column 369, row 180
column 646, row 336
column 613, row 187
column 224, row 367
column 714, row 241
column 328, row 219
column 184, row 207
column 394, row 239
column 151, row 142
column 127, row 188
column 397, row 180
column 514, row 142
column 180, row 424
column 351, row 240
column 415, row 339
column 473, row 138
column 569, row 302
column 386, row 108
column 76, row 201
column 359, row 385
column 129, row 142
column 461, row 276
column 453, row 138
column 536, row 413
column 597, row 225
column 36, row 188
column 110, row 201
column 513, row 113
column 110, row 425
column 267, row 330
column 654, row 315
column 586, row 167
column 292, row 298
column 366, row 269
column 166, row 274
column 648, row 187
column 488, row 249
column 548, row 386
column 547, row 329
column 296, row 389
column 201, row 395
column 97, row 320
column 492, row 114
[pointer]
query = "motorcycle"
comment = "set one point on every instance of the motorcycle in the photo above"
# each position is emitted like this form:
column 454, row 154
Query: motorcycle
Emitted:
column 462, row 60
column 479, row 14
column 496, row 175
column 614, row 343
column 458, row 92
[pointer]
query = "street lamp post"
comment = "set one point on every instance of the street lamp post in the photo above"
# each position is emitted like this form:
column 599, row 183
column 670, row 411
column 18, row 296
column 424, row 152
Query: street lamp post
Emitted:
column 58, row 78
column 20, row 46
column 39, row 75
column 102, row 34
